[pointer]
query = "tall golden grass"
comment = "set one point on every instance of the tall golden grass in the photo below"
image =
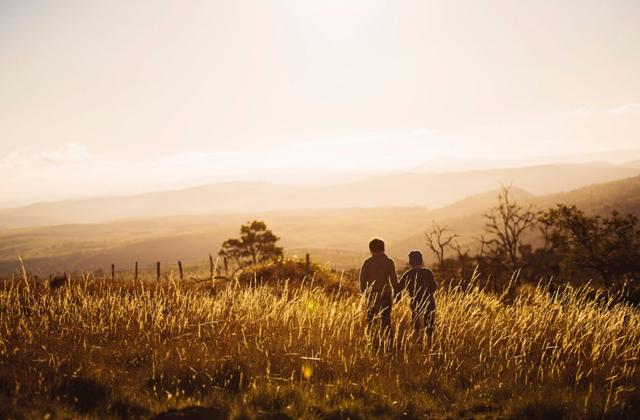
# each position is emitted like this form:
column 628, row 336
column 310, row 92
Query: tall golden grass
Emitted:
column 93, row 348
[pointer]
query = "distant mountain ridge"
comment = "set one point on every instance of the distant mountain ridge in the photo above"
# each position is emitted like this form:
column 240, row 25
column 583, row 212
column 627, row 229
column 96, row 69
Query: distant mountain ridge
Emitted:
column 430, row 190
column 599, row 199
column 337, row 236
column 634, row 164
column 616, row 157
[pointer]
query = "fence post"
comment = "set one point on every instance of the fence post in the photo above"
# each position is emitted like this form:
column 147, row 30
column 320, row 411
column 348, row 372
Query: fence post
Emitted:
column 136, row 271
column 113, row 272
column 180, row 268
column 307, row 263
column 158, row 271
column 211, row 266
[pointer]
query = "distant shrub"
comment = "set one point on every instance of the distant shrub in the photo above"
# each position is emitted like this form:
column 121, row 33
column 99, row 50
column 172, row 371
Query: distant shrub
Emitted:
column 295, row 271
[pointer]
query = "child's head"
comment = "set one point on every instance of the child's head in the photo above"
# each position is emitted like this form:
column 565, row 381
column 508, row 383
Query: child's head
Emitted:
column 415, row 259
column 376, row 246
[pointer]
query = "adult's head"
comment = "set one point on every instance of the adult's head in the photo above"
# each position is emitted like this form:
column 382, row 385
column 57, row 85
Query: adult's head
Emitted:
column 415, row 259
column 376, row 246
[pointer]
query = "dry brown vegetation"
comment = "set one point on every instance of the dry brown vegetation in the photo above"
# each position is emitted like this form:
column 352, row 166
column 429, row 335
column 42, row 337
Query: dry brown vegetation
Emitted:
column 96, row 349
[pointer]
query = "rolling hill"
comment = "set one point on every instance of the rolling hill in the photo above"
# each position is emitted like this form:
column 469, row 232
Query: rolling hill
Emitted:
column 337, row 236
column 634, row 164
column 430, row 190
column 466, row 217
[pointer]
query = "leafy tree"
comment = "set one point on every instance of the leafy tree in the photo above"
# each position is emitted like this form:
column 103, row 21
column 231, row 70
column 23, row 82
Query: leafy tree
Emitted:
column 256, row 244
column 607, row 246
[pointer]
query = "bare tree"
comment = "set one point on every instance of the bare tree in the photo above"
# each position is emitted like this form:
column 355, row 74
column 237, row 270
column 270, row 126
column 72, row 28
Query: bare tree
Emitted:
column 483, row 243
column 463, row 252
column 505, row 226
column 438, row 240
column 463, row 257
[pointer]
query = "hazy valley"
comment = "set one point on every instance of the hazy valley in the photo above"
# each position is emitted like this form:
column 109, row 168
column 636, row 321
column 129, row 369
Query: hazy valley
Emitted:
column 332, row 223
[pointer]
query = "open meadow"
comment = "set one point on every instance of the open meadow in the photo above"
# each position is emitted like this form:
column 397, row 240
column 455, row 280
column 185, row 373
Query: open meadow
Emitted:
column 319, row 210
column 92, row 348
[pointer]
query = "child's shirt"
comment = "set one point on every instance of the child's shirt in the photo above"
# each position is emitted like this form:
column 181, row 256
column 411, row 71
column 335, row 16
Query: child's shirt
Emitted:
column 421, row 284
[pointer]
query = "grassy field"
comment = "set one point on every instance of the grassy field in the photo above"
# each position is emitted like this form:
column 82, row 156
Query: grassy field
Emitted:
column 96, row 349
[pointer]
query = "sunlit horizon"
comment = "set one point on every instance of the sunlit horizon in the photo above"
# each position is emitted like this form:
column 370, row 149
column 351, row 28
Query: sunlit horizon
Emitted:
column 116, row 98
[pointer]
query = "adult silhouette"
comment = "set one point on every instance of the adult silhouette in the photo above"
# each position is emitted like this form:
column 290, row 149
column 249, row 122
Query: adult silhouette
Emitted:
column 378, row 281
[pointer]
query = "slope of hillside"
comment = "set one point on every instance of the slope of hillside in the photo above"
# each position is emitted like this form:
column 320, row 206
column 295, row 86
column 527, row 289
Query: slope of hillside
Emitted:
column 478, row 202
column 634, row 164
column 622, row 195
column 224, row 197
column 338, row 236
column 192, row 238
column 400, row 190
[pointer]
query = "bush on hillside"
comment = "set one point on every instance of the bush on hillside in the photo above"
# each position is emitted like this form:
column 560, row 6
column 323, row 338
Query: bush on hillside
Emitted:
column 296, row 272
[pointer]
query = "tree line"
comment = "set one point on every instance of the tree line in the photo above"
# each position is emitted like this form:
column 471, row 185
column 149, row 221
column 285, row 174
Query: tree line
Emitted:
column 563, row 242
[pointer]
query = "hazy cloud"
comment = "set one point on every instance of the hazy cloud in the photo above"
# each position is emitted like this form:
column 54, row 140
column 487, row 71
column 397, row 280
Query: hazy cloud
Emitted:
column 70, row 152
column 76, row 169
column 579, row 112
column 625, row 109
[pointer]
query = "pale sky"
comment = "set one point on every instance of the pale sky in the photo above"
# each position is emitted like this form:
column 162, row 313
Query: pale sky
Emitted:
column 111, row 97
